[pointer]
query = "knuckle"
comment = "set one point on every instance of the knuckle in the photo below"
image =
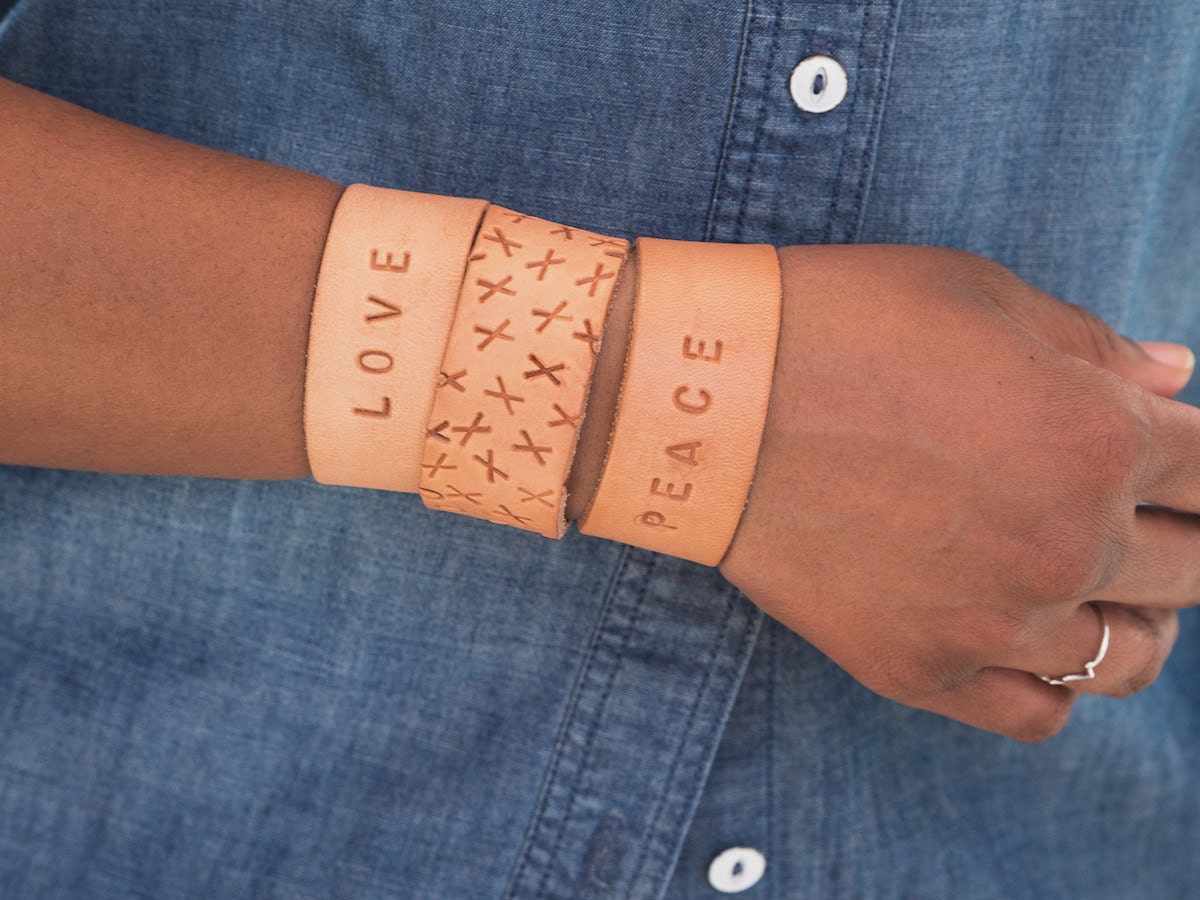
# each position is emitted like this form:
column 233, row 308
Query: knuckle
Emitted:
column 1094, row 339
column 997, row 633
column 1049, row 719
column 897, row 679
column 994, row 280
column 910, row 680
column 1169, row 632
column 1110, row 451
column 1078, row 524
column 1105, row 437
column 1068, row 558
column 1139, row 680
column 1154, row 637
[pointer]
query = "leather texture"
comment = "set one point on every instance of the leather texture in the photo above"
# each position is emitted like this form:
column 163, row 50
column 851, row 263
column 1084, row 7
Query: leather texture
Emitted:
column 389, row 280
column 517, row 369
column 693, row 398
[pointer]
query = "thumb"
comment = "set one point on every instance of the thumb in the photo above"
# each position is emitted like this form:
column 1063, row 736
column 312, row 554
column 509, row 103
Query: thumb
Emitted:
column 1163, row 369
column 1176, row 358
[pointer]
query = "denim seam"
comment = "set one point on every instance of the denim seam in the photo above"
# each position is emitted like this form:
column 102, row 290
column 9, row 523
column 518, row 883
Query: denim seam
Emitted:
column 835, row 195
column 883, row 59
column 772, row 794
column 709, row 665
column 853, row 156
column 661, row 825
column 618, row 659
column 730, row 114
column 763, row 103
column 852, row 213
column 743, row 652
column 538, row 819
column 748, row 112
column 563, row 738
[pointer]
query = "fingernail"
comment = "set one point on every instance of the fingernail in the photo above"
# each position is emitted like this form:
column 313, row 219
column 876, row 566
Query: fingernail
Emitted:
column 1177, row 356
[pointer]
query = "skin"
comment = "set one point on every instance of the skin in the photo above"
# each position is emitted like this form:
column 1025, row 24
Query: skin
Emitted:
column 974, row 453
column 156, row 317
column 950, row 475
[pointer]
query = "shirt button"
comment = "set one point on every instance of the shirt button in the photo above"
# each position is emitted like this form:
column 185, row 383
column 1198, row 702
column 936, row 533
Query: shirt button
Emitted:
column 818, row 84
column 736, row 869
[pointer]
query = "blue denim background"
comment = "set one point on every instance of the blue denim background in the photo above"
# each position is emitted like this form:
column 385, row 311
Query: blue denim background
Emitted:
column 223, row 689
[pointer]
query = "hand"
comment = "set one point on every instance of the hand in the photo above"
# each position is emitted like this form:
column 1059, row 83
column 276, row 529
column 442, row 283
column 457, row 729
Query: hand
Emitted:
column 953, row 471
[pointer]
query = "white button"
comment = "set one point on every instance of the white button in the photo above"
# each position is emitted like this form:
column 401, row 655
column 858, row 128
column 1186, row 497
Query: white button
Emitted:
column 737, row 869
column 818, row 84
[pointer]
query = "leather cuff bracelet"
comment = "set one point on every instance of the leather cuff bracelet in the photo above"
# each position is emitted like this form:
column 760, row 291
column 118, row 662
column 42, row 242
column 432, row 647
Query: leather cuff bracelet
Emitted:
column 517, row 368
column 389, row 278
column 693, row 399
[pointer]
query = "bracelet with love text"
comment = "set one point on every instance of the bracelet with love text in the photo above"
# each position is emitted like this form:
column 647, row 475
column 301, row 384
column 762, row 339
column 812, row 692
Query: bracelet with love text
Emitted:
column 389, row 279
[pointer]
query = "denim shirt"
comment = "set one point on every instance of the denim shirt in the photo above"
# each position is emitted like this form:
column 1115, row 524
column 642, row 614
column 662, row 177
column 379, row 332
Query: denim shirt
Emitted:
column 216, row 688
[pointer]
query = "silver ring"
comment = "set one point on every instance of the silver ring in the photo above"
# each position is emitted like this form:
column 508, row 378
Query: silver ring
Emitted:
column 1089, row 668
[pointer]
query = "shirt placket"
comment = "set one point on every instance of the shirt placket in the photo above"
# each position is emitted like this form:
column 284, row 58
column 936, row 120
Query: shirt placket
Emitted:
column 788, row 174
column 639, row 732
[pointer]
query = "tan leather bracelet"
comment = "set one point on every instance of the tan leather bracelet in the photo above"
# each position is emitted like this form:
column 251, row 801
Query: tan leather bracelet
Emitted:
column 517, row 368
column 389, row 279
column 693, row 399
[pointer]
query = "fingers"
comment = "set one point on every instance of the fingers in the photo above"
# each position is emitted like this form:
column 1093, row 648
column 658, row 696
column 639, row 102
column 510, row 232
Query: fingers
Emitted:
column 1007, row 702
column 1139, row 642
column 1162, row 369
column 1170, row 470
column 1161, row 562
column 1016, row 702
column 1172, row 474
column 1179, row 359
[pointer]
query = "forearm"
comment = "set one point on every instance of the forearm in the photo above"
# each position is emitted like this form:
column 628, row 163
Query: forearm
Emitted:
column 156, row 302
column 156, row 298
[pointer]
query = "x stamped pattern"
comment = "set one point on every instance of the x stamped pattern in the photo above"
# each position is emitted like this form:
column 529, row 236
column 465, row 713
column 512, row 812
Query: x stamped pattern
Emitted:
column 516, row 371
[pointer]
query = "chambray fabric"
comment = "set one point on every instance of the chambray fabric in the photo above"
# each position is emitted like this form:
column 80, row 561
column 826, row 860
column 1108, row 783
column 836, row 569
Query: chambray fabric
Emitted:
column 247, row 689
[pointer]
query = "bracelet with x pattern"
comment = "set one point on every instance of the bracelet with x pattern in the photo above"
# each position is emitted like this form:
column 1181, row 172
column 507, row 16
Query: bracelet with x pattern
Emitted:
column 516, row 372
